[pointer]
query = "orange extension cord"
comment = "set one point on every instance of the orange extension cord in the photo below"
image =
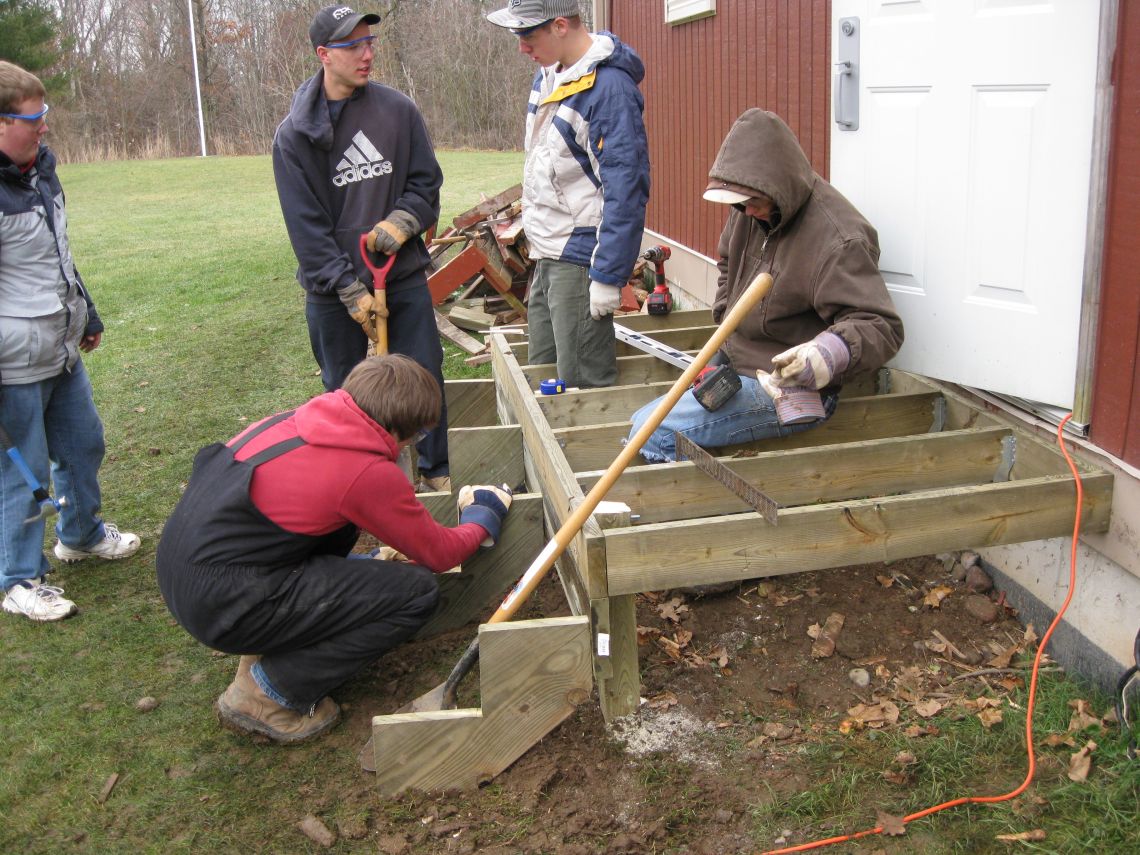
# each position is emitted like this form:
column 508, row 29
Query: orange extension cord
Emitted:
column 978, row 800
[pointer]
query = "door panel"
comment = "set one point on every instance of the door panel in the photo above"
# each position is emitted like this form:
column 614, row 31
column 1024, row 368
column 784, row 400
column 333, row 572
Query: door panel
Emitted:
column 972, row 160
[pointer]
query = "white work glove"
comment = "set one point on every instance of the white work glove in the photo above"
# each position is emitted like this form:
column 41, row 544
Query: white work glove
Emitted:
column 813, row 364
column 603, row 299
column 485, row 505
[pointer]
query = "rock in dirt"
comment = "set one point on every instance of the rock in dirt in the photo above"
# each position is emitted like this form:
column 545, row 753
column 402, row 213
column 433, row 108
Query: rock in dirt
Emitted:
column 981, row 607
column 860, row 677
column 392, row 844
column 969, row 559
column 978, row 580
column 316, row 831
column 958, row 574
column 146, row 704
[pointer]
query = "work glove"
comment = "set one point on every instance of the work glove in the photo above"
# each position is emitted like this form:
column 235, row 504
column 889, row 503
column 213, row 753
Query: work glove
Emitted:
column 363, row 307
column 392, row 232
column 813, row 364
column 486, row 506
column 603, row 299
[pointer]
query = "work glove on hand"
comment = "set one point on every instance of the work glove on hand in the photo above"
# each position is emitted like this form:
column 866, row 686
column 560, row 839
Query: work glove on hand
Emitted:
column 484, row 505
column 392, row 232
column 813, row 364
column 360, row 304
column 603, row 299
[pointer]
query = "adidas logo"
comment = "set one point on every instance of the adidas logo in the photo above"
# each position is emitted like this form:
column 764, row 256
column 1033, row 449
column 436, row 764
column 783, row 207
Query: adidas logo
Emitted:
column 361, row 161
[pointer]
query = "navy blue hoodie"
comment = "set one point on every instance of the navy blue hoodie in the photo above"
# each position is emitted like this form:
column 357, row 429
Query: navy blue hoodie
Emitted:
column 336, row 182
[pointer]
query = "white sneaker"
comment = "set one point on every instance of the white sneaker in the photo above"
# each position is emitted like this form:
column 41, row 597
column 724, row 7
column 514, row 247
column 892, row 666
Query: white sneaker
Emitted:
column 115, row 544
column 37, row 601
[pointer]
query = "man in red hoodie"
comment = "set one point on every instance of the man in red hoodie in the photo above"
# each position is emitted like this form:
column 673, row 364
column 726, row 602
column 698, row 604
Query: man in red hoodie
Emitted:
column 254, row 559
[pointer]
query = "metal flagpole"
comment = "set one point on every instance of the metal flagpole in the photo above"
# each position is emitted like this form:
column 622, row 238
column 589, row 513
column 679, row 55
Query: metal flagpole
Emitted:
column 197, row 84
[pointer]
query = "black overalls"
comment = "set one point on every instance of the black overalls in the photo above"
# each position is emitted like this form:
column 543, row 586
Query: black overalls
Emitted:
column 240, row 583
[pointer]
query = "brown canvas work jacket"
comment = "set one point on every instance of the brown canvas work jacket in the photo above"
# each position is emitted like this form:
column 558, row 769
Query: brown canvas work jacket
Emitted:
column 822, row 254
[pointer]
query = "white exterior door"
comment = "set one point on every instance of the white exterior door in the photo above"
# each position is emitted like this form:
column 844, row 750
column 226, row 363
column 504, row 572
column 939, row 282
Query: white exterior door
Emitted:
column 972, row 159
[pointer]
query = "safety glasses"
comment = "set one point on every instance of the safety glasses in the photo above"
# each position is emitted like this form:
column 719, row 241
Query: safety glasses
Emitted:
column 27, row 117
column 354, row 46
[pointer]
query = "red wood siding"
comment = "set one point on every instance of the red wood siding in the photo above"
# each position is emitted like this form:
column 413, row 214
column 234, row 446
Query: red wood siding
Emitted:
column 1116, row 384
column 701, row 75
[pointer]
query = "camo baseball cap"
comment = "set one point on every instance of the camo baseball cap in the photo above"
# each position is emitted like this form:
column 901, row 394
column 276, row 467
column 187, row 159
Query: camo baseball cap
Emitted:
column 333, row 23
column 525, row 14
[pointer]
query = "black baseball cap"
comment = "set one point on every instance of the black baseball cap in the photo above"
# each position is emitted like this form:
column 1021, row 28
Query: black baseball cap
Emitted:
column 334, row 23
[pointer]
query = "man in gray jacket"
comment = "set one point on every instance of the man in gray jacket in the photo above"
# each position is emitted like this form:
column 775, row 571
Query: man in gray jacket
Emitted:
column 828, row 316
column 47, row 408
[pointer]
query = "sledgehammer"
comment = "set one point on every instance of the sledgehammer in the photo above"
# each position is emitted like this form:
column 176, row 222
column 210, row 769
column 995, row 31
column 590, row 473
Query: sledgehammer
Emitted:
column 47, row 504
column 443, row 696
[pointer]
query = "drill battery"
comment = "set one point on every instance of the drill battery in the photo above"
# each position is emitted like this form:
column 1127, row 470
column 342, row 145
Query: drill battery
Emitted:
column 660, row 302
column 715, row 386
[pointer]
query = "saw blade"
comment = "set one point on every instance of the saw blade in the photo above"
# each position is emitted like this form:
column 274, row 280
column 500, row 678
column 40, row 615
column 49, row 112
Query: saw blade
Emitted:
column 760, row 501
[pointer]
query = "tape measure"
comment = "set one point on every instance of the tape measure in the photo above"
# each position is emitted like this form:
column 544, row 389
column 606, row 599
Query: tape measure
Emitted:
column 552, row 387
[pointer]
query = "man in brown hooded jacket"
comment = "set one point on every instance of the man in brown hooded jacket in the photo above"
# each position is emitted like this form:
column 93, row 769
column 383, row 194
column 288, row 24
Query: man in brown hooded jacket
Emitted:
column 828, row 316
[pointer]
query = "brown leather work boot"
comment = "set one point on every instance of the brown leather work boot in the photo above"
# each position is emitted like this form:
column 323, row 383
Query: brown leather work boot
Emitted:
column 246, row 662
column 439, row 484
column 245, row 709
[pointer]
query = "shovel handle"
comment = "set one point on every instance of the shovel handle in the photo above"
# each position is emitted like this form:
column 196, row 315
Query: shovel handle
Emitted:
column 380, row 291
column 569, row 529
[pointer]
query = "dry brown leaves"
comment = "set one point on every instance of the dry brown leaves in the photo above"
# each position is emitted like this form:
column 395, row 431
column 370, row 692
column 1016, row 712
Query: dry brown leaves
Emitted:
column 1080, row 764
column 987, row 710
column 890, row 825
column 936, row 595
column 876, row 715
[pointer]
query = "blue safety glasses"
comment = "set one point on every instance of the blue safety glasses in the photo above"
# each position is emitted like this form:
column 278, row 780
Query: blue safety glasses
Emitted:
column 356, row 45
column 27, row 117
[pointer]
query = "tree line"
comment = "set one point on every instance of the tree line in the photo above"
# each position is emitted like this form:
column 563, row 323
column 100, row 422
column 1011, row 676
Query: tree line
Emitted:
column 120, row 73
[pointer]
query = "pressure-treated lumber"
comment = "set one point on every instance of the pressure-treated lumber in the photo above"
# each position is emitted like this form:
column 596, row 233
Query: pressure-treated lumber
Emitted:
column 489, row 573
column 827, row 473
column 470, row 403
column 683, row 338
column 855, row 419
column 631, row 370
column 531, row 676
column 456, row 336
column 486, row 455
column 664, row 555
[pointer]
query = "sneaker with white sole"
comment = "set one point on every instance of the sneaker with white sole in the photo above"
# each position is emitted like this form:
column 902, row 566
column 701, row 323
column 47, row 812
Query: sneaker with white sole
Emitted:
column 115, row 544
column 37, row 601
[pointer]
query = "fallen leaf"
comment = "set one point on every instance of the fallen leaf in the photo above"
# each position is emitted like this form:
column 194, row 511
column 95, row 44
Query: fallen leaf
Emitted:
column 898, row 778
column 682, row 637
column 720, row 655
column 874, row 715
column 936, row 596
column 905, row 758
column 1080, row 764
column 814, row 630
column 779, row 600
column 673, row 611
column 1004, row 656
column 892, row 826
column 928, row 708
column 646, row 633
column 1030, row 637
column 765, row 589
column 1082, row 716
column 662, row 701
column 1054, row 740
column 777, row 730
column 1036, row 834
column 989, row 717
column 670, row 647
column 885, row 581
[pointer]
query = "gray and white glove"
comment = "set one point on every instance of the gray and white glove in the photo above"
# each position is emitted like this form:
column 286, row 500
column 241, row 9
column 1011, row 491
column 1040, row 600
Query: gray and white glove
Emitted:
column 813, row 364
column 603, row 299
column 484, row 505
column 392, row 232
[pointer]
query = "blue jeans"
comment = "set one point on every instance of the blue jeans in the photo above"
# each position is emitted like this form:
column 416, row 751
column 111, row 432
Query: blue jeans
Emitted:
column 57, row 430
column 748, row 416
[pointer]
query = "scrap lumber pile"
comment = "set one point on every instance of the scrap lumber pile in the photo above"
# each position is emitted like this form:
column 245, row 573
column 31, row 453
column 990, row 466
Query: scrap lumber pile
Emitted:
column 483, row 268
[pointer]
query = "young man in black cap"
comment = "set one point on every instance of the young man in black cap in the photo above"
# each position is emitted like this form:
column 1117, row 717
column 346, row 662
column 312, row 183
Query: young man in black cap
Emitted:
column 354, row 156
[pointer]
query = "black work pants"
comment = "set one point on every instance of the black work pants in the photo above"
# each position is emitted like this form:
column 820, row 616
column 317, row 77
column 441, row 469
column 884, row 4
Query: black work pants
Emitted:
column 315, row 624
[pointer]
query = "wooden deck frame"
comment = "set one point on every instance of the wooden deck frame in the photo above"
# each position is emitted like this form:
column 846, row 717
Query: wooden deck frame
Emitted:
column 904, row 468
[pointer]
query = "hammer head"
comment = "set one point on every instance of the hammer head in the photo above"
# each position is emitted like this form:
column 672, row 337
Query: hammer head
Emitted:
column 48, row 507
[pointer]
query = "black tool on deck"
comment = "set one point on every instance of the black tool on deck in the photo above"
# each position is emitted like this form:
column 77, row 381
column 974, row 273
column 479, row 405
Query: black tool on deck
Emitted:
column 715, row 386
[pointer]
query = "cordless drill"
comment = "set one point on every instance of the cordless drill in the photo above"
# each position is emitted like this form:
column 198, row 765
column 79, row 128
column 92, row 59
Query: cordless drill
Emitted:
column 660, row 302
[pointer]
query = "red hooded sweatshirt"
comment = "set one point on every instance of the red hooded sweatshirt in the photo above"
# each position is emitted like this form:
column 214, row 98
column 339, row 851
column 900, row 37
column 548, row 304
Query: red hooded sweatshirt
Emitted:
column 346, row 473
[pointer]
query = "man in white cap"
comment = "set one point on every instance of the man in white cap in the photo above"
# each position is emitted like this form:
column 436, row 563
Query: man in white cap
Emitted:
column 354, row 156
column 585, row 184
column 828, row 316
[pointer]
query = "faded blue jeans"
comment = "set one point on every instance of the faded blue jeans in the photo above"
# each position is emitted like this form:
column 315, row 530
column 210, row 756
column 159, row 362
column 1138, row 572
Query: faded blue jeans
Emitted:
column 57, row 430
column 748, row 416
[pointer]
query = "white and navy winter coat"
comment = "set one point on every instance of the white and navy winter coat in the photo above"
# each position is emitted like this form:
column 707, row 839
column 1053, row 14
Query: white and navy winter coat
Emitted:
column 45, row 310
column 586, row 179
column 336, row 180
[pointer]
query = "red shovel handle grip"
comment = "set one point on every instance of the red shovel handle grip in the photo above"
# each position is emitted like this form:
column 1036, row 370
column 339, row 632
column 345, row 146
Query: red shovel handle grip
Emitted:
column 379, row 274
